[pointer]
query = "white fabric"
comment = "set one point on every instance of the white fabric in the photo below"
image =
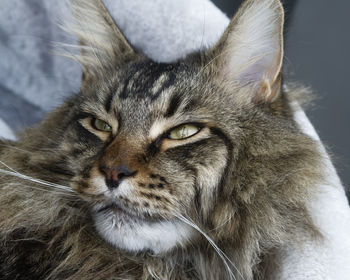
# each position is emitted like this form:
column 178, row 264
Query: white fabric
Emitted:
column 166, row 30
column 5, row 131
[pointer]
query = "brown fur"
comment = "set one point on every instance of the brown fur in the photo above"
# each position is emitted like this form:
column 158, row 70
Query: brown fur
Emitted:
column 245, row 178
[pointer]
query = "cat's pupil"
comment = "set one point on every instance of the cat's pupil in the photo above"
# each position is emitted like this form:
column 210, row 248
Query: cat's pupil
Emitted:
column 183, row 134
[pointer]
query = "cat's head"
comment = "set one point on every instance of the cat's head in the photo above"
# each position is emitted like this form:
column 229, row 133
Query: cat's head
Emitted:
column 153, row 144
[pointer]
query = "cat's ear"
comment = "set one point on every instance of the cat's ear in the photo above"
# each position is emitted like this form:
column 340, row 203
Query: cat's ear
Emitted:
column 103, row 47
column 250, row 52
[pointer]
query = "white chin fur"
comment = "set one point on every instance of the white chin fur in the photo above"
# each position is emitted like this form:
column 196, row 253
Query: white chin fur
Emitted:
column 138, row 236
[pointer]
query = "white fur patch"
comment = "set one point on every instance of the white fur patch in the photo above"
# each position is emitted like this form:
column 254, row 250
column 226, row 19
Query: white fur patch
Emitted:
column 99, row 184
column 124, row 189
column 137, row 236
column 158, row 127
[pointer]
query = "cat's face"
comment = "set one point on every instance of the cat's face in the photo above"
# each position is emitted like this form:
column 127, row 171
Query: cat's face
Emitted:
column 151, row 149
column 153, row 142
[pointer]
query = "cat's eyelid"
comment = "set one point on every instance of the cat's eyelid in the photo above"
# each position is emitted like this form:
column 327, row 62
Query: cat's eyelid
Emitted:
column 163, row 126
column 195, row 124
column 203, row 133
column 83, row 115
column 87, row 123
column 107, row 118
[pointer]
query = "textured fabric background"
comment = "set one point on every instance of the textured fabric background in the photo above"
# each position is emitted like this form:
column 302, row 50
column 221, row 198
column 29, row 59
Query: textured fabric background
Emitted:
column 32, row 79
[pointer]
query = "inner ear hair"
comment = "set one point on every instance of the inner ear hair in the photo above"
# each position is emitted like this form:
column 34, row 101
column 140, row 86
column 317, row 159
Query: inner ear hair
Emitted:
column 103, row 47
column 250, row 52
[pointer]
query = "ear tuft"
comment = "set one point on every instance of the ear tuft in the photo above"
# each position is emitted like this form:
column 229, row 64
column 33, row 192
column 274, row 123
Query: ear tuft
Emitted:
column 250, row 52
column 102, row 45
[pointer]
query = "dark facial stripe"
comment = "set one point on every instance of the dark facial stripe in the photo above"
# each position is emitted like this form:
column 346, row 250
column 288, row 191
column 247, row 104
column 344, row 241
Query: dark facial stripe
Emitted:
column 149, row 73
column 79, row 116
column 153, row 148
column 173, row 106
column 85, row 136
column 169, row 82
column 218, row 132
column 124, row 93
column 108, row 102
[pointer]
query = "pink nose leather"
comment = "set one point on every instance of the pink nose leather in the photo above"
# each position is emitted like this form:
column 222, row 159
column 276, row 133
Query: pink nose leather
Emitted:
column 114, row 175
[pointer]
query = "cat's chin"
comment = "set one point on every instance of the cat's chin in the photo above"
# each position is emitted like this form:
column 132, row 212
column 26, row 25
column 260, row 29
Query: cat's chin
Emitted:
column 135, row 234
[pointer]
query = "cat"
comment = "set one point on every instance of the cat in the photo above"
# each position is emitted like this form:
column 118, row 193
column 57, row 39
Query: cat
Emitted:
column 188, row 170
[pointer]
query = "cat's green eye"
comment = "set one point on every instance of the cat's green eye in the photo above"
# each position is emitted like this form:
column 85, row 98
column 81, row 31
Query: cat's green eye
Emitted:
column 101, row 125
column 183, row 132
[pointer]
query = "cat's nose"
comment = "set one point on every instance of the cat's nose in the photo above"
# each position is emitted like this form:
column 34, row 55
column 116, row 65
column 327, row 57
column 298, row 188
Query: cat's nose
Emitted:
column 114, row 175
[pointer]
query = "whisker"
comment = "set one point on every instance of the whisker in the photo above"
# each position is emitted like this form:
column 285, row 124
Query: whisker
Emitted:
column 221, row 254
column 3, row 163
column 19, row 175
column 222, row 224
column 15, row 173
column 15, row 148
column 53, row 191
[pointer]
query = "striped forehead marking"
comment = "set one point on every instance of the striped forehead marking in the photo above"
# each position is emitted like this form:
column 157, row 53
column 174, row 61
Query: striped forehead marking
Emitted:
column 148, row 80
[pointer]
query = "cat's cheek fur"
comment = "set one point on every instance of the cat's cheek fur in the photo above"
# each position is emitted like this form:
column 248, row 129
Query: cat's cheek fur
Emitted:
column 208, row 180
column 138, row 236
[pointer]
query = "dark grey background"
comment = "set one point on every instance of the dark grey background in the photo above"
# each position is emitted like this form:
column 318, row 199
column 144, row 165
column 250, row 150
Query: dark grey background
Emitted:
column 318, row 55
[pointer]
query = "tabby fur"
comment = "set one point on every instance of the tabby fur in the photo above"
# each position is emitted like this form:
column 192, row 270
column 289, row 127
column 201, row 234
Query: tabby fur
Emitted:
column 244, row 179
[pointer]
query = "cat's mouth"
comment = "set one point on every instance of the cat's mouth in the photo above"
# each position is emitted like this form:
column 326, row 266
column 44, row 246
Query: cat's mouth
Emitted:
column 118, row 210
column 122, row 212
column 113, row 207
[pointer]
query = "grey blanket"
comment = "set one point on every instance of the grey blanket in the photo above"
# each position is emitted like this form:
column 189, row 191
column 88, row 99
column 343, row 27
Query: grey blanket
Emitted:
column 32, row 79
